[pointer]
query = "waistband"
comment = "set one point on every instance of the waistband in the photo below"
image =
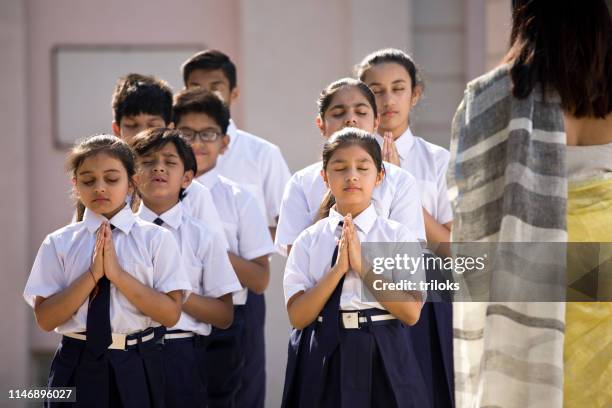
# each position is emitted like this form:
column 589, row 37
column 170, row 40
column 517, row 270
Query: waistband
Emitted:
column 357, row 319
column 121, row 341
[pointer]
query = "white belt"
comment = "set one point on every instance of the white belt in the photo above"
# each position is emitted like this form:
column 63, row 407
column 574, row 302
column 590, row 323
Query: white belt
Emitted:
column 351, row 320
column 182, row 335
column 120, row 341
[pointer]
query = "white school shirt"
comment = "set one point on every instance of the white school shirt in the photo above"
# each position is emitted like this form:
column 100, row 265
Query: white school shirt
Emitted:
column 204, row 260
column 311, row 255
column 245, row 226
column 397, row 198
column 258, row 167
column 199, row 204
column 144, row 250
column 427, row 162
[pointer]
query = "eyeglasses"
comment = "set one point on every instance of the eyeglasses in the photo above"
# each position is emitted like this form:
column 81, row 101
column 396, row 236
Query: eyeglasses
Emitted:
column 207, row 135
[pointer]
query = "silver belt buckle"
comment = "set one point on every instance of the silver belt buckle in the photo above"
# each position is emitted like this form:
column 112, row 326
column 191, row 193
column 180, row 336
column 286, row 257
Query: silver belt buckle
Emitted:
column 118, row 341
column 350, row 320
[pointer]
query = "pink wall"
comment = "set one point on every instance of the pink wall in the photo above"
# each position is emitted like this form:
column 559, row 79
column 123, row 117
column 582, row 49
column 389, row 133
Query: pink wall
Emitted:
column 214, row 23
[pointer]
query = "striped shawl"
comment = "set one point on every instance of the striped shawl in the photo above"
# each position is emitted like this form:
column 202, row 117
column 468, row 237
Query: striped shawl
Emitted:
column 507, row 183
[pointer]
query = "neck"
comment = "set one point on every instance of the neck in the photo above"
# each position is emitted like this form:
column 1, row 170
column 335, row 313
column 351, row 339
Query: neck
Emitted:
column 398, row 131
column 588, row 131
column 114, row 212
column 160, row 206
column 206, row 170
column 353, row 209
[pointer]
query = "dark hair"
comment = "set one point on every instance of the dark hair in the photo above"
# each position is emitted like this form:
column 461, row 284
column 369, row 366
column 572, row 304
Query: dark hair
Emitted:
column 135, row 94
column 107, row 144
column 327, row 95
column 563, row 46
column 390, row 55
column 341, row 139
column 210, row 60
column 154, row 139
column 198, row 100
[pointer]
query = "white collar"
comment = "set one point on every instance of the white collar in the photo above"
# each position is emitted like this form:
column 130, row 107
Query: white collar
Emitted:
column 210, row 178
column 123, row 220
column 403, row 143
column 364, row 221
column 232, row 132
column 173, row 217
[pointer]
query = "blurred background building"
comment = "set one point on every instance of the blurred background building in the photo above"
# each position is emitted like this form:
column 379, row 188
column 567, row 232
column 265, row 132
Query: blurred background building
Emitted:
column 60, row 60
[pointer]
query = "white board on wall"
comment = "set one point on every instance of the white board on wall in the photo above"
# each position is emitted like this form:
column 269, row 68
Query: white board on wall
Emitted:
column 84, row 78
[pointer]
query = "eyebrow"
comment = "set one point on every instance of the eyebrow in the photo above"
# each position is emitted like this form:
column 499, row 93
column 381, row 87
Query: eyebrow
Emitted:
column 363, row 160
column 105, row 171
column 392, row 83
column 343, row 106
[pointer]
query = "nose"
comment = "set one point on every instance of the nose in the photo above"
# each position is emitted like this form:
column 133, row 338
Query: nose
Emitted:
column 350, row 121
column 100, row 187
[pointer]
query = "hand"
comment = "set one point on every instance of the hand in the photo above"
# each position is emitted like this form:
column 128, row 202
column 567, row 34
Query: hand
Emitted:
column 97, row 263
column 389, row 150
column 342, row 261
column 112, row 269
column 354, row 246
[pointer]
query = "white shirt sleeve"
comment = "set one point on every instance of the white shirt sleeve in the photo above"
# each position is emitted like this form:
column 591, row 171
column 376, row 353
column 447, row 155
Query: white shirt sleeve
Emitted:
column 219, row 277
column 47, row 276
column 168, row 271
column 445, row 212
column 297, row 276
column 294, row 216
column 406, row 207
column 276, row 174
column 254, row 239
column 200, row 206
column 408, row 244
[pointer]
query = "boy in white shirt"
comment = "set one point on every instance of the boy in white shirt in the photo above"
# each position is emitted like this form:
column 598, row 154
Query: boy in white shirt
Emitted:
column 254, row 163
column 166, row 167
column 203, row 120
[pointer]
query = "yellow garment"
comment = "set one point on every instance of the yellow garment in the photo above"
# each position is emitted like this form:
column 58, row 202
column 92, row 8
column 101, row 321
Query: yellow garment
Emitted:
column 588, row 332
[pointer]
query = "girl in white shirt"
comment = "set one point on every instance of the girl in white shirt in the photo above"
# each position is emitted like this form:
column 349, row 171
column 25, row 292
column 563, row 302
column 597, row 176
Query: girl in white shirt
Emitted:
column 347, row 102
column 397, row 86
column 350, row 345
column 105, row 283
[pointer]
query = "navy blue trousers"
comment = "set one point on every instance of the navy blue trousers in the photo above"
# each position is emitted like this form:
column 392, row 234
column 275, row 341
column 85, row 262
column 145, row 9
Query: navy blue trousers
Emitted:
column 225, row 362
column 372, row 367
column 130, row 378
column 182, row 370
column 252, row 392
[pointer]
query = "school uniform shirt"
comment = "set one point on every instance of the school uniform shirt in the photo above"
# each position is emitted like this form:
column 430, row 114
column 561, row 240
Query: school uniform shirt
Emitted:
column 311, row 255
column 245, row 226
column 144, row 250
column 258, row 167
column 204, row 260
column 397, row 198
column 427, row 162
column 199, row 204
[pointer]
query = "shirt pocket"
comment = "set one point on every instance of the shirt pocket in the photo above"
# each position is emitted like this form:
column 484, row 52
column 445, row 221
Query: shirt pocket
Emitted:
column 195, row 274
column 144, row 273
column 231, row 234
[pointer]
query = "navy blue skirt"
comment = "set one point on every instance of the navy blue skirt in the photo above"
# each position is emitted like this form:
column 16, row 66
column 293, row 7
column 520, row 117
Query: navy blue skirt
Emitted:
column 127, row 378
column 372, row 366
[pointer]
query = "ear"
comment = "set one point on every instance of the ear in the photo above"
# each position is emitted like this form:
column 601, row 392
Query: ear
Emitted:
column 417, row 92
column 324, row 175
column 187, row 179
column 380, row 177
column 137, row 178
column 116, row 129
column 376, row 123
column 234, row 94
column 320, row 124
column 225, row 140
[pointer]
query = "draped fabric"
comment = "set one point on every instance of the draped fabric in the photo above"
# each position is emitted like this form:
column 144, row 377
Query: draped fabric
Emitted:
column 507, row 183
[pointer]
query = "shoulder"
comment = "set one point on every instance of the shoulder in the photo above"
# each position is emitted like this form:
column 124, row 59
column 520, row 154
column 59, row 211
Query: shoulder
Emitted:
column 310, row 234
column 394, row 230
column 63, row 237
column 308, row 174
column 199, row 233
column 197, row 188
column 395, row 175
column 257, row 143
column 234, row 191
column 497, row 78
column 437, row 154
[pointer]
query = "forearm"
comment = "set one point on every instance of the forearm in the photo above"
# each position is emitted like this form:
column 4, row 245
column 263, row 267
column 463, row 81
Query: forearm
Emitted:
column 438, row 235
column 408, row 311
column 161, row 307
column 253, row 274
column 304, row 308
column 216, row 311
column 55, row 310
